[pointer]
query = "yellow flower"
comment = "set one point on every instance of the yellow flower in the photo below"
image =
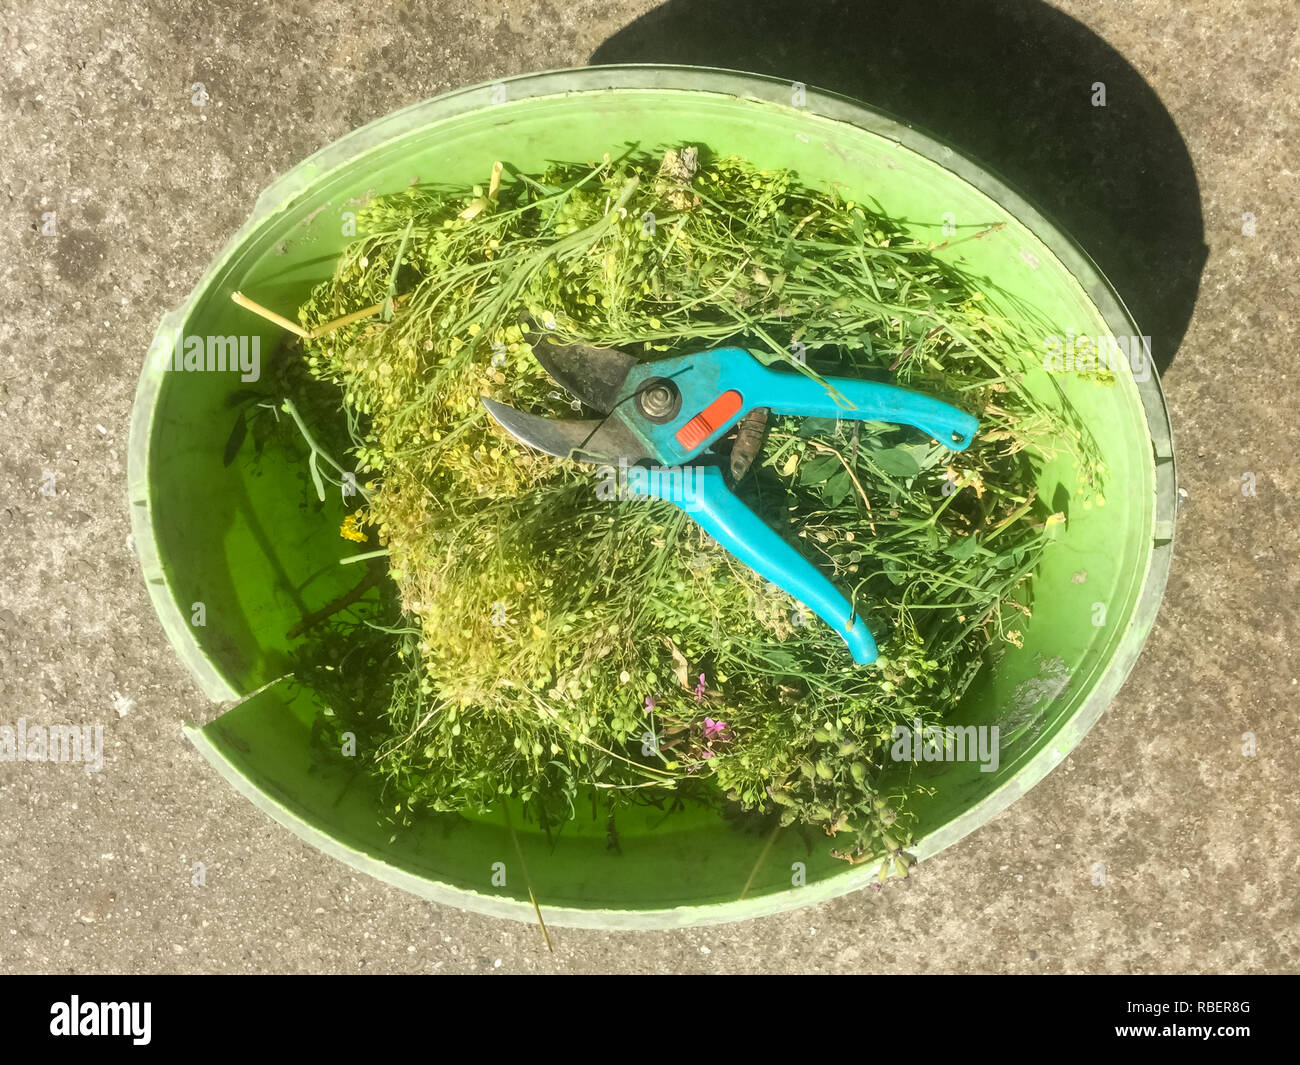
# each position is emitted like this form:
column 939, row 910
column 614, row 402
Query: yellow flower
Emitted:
column 349, row 531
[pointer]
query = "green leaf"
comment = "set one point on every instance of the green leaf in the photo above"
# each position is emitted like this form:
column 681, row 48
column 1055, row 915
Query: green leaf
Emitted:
column 897, row 462
column 837, row 488
column 816, row 427
column 783, row 660
column 927, row 455
column 963, row 549
column 818, row 470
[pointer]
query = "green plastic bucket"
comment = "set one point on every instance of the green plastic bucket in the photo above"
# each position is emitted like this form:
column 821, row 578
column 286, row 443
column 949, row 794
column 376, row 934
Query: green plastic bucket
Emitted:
column 235, row 538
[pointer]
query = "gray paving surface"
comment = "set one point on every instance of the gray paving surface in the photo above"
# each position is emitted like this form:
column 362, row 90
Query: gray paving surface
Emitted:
column 1200, row 842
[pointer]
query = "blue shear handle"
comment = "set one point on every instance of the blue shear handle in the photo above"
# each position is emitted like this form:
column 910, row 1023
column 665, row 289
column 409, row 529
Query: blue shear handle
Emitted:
column 793, row 393
column 703, row 494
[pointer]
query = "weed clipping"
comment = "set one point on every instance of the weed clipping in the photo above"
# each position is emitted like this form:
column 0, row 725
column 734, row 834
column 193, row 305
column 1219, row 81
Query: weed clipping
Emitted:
column 564, row 642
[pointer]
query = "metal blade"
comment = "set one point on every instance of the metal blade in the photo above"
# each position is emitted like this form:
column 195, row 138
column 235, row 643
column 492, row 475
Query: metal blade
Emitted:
column 594, row 440
column 593, row 375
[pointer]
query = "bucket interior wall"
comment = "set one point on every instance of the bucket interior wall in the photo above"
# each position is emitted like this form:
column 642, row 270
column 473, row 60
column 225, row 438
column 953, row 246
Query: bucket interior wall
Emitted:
column 241, row 540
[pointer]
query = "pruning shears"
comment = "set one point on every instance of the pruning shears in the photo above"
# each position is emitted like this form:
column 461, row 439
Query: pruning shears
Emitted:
column 664, row 418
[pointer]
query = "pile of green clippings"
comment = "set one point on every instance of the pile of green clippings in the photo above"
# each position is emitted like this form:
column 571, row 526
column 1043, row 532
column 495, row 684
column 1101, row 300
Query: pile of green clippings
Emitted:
column 553, row 642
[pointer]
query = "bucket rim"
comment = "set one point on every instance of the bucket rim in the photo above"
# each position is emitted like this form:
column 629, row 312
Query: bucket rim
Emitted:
column 279, row 197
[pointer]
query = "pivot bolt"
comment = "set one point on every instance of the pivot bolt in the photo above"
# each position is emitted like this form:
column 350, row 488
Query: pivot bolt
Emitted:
column 659, row 400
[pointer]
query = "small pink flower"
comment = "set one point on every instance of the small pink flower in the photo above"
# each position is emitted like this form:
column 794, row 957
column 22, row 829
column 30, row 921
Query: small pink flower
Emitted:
column 707, row 754
column 699, row 689
column 713, row 728
column 650, row 704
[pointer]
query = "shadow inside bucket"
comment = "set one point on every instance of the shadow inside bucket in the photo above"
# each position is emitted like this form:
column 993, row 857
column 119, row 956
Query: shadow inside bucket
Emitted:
column 1011, row 83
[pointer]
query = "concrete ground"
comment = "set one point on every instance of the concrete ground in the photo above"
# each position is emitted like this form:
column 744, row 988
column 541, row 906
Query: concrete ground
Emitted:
column 99, row 128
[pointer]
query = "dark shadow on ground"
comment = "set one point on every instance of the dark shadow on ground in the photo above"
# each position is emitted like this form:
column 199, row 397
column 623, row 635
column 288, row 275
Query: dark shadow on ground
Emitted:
column 1008, row 82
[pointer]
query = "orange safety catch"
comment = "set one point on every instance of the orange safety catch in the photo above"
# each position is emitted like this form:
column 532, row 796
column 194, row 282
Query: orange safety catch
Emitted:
column 704, row 424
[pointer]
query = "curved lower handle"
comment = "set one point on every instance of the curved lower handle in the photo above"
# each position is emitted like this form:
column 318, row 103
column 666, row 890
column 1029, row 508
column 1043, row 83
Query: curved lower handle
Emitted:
column 703, row 494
